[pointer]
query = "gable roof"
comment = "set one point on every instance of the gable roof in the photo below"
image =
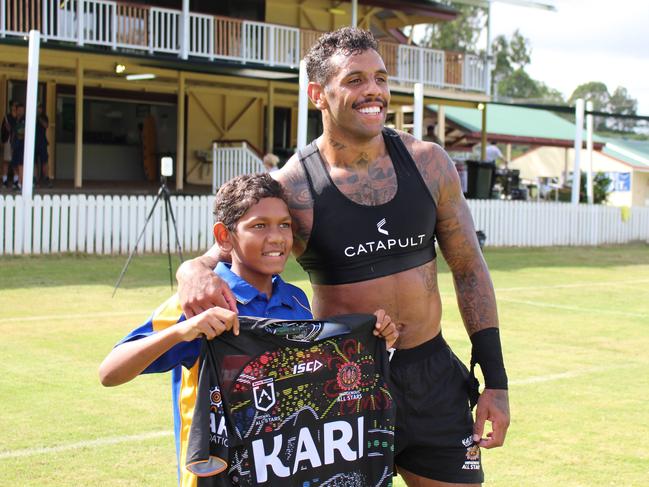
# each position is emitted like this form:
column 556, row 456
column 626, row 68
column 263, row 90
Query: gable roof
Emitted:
column 518, row 125
column 633, row 152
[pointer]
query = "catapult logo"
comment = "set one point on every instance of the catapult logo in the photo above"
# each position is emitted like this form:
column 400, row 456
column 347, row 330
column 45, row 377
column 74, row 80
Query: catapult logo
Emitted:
column 384, row 244
column 380, row 229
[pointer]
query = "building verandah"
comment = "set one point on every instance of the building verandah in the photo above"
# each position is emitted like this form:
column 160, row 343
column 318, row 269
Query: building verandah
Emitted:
column 127, row 125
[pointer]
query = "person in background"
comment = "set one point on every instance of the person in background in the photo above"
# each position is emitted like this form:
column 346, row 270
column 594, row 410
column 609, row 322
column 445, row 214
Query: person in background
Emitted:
column 431, row 136
column 40, row 148
column 17, row 139
column 493, row 154
column 8, row 122
column 270, row 162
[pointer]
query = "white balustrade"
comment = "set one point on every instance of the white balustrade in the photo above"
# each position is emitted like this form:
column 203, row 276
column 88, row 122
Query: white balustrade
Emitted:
column 234, row 161
column 123, row 25
column 201, row 35
column 165, row 29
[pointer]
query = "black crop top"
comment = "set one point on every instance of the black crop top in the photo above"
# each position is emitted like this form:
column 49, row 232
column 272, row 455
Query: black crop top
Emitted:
column 351, row 242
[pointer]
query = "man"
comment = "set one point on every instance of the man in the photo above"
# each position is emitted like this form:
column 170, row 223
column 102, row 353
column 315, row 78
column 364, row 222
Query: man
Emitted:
column 18, row 146
column 40, row 148
column 431, row 136
column 8, row 122
column 366, row 205
column 493, row 154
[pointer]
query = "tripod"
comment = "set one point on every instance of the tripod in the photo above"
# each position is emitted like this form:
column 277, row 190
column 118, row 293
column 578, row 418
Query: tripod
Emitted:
column 163, row 194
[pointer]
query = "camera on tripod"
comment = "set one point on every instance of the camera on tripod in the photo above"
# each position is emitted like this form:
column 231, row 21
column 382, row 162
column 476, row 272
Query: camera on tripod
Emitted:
column 166, row 170
column 166, row 167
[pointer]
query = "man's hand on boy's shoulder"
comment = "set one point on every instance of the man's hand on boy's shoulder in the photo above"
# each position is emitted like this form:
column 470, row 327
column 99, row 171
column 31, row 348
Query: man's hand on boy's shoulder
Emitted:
column 210, row 323
column 200, row 289
column 385, row 328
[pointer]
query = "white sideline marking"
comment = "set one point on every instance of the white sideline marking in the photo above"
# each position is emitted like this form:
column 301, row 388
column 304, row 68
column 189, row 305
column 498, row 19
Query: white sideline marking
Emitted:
column 158, row 434
column 559, row 286
column 575, row 308
column 574, row 284
column 90, row 314
column 27, row 452
column 566, row 375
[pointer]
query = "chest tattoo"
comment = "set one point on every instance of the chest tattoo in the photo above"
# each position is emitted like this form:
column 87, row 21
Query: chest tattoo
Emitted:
column 367, row 183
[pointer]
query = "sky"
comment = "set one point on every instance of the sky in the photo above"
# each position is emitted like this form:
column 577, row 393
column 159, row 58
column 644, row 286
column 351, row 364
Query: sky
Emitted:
column 582, row 41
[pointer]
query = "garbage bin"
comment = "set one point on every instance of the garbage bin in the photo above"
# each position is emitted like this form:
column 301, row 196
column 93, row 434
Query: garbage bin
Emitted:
column 480, row 179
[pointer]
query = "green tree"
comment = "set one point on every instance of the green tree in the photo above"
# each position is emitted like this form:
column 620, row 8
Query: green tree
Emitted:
column 461, row 34
column 596, row 92
column 520, row 50
column 519, row 84
column 550, row 95
column 502, row 63
column 618, row 102
column 601, row 184
column 510, row 55
column 509, row 77
column 621, row 102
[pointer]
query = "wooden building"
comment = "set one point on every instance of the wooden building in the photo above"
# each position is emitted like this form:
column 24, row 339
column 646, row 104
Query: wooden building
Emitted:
column 124, row 84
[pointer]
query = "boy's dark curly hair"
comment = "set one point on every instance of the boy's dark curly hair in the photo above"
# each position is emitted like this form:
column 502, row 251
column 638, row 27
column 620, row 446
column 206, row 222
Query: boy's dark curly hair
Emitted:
column 348, row 40
column 239, row 194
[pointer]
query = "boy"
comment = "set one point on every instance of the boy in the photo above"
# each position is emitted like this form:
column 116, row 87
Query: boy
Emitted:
column 17, row 140
column 253, row 227
column 8, row 122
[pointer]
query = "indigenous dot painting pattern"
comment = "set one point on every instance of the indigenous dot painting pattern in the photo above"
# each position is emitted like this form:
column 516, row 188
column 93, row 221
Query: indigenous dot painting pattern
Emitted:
column 307, row 415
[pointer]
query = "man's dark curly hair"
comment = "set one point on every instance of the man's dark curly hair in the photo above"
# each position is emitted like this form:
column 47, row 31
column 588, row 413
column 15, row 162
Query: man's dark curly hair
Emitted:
column 348, row 40
column 239, row 194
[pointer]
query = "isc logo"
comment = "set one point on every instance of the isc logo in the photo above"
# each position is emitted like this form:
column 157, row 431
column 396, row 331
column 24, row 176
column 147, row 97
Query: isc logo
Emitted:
column 307, row 367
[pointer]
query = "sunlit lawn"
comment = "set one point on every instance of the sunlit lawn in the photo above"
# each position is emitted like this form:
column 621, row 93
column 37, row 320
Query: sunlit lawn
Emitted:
column 575, row 325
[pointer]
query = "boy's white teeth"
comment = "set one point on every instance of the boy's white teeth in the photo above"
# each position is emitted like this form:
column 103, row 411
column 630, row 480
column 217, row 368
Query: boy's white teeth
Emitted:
column 369, row 110
column 273, row 254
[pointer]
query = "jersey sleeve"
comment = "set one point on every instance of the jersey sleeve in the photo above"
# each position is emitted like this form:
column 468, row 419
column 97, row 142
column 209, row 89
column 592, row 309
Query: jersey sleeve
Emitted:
column 209, row 441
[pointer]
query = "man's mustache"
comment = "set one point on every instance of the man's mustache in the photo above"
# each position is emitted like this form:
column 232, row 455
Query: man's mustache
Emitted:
column 382, row 101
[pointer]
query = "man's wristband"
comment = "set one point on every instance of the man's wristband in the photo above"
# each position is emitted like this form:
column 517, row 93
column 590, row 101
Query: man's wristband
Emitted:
column 488, row 353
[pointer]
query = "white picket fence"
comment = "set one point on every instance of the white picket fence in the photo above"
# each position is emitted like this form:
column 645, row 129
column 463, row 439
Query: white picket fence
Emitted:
column 98, row 224
column 545, row 224
column 101, row 224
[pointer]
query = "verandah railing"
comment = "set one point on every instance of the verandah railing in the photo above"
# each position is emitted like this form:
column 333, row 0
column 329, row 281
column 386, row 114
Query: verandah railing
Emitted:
column 111, row 224
column 233, row 159
column 120, row 25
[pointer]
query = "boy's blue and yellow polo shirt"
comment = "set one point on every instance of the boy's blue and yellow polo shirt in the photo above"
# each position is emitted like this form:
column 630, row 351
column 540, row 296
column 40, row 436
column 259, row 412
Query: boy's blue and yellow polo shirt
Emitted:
column 287, row 302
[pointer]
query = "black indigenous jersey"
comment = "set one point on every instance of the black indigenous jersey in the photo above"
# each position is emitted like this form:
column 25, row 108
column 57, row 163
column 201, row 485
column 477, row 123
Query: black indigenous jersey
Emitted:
column 294, row 403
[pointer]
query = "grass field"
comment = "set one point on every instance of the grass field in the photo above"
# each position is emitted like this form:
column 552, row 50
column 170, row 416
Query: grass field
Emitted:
column 575, row 325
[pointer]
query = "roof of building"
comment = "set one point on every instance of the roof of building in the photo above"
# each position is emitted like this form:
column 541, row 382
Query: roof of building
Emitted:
column 430, row 8
column 633, row 152
column 518, row 125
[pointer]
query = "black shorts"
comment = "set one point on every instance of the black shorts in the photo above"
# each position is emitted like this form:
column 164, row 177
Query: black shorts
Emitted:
column 434, row 428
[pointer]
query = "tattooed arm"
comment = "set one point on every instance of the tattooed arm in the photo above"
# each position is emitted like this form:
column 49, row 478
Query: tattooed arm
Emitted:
column 300, row 203
column 199, row 288
column 456, row 236
column 459, row 245
column 473, row 286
